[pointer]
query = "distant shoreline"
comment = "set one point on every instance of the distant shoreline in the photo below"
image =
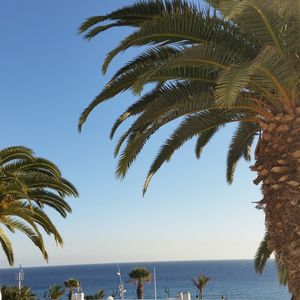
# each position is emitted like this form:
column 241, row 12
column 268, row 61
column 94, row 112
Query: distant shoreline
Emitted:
column 129, row 262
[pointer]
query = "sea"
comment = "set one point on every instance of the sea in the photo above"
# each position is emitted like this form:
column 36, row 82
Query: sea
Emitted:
column 234, row 279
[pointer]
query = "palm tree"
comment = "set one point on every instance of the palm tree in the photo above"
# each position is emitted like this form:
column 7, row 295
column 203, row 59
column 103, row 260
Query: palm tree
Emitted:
column 71, row 284
column 200, row 284
column 55, row 292
column 28, row 184
column 234, row 61
column 13, row 293
column 139, row 276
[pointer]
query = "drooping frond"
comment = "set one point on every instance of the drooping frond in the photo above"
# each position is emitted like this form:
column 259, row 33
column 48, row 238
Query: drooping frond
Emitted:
column 138, row 13
column 282, row 274
column 240, row 144
column 189, row 128
column 16, row 152
column 6, row 246
column 263, row 253
column 188, row 28
column 204, row 138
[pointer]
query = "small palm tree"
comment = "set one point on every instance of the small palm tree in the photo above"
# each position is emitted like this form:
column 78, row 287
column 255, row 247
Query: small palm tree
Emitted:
column 55, row 292
column 200, row 284
column 139, row 276
column 28, row 184
column 71, row 284
column 13, row 293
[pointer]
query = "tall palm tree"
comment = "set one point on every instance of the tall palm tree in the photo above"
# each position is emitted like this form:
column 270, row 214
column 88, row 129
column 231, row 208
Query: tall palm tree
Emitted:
column 55, row 292
column 139, row 276
column 71, row 284
column 28, row 184
column 234, row 61
column 13, row 293
column 200, row 284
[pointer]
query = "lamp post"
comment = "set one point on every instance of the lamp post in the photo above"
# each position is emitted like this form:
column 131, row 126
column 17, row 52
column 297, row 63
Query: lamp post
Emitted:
column 121, row 286
column 19, row 277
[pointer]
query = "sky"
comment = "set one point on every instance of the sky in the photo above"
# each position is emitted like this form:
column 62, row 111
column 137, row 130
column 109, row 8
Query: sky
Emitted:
column 48, row 75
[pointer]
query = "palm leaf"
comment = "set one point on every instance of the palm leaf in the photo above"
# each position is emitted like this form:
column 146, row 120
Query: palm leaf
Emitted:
column 240, row 144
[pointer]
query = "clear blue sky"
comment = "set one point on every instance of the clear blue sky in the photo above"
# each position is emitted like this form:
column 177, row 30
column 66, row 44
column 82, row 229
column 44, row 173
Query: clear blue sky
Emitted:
column 48, row 75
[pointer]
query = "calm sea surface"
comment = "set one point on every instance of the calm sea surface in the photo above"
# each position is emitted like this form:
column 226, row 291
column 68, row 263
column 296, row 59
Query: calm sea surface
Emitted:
column 235, row 278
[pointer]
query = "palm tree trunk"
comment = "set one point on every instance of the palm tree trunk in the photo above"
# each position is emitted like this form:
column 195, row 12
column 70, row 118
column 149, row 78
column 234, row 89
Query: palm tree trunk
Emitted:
column 278, row 167
column 140, row 290
column 70, row 294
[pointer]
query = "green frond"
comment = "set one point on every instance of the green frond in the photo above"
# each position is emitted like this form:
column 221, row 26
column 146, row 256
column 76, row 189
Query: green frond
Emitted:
column 189, row 28
column 263, row 253
column 50, row 199
column 95, row 31
column 139, row 12
column 16, row 152
column 204, row 138
column 215, row 56
column 282, row 274
column 142, row 129
column 232, row 82
column 6, row 246
column 189, row 128
column 194, row 96
column 34, row 235
column 120, row 84
column 87, row 24
column 136, row 108
column 150, row 57
column 240, row 144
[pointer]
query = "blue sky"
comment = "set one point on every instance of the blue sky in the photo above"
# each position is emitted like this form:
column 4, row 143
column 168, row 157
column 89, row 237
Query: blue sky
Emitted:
column 48, row 75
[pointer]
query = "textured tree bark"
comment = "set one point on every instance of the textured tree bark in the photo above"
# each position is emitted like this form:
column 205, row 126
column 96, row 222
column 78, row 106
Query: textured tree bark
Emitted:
column 278, row 164
column 140, row 290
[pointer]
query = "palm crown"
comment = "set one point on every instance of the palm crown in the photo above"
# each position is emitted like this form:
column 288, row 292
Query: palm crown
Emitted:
column 139, row 276
column 200, row 284
column 233, row 61
column 27, row 185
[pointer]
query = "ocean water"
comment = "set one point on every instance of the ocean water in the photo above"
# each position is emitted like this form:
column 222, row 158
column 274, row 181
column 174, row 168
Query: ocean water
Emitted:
column 236, row 279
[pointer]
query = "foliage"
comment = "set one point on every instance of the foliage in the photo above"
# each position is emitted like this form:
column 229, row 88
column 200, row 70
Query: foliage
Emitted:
column 140, row 274
column 71, row 284
column 206, row 66
column 13, row 293
column 55, row 292
column 99, row 295
column 28, row 184
column 200, row 284
column 263, row 253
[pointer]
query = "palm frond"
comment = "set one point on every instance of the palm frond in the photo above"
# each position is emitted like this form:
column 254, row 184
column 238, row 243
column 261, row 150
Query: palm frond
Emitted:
column 263, row 253
column 190, row 127
column 204, row 138
column 6, row 246
column 240, row 144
